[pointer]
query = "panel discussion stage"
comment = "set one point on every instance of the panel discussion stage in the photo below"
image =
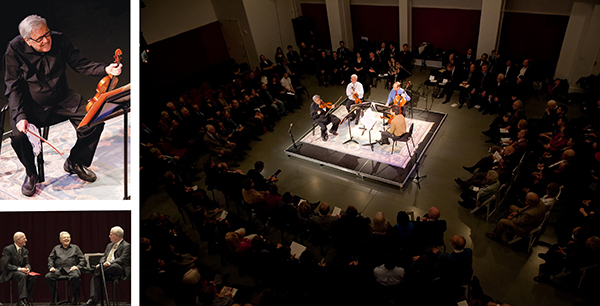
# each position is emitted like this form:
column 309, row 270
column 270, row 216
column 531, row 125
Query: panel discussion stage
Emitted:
column 371, row 161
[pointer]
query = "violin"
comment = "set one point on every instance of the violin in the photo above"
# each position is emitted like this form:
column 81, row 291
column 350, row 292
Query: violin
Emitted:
column 107, row 83
column 325, row 105
column 355, row 96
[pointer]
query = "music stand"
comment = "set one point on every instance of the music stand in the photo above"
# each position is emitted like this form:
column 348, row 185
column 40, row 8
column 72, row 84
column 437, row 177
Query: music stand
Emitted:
column 353, row 109
column 110, row 105
column 369, row 119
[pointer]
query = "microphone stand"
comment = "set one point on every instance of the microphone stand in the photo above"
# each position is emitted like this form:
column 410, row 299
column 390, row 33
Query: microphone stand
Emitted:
column 104, row 284
column 292, row 136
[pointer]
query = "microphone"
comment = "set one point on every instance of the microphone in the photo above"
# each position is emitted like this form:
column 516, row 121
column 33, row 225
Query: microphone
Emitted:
column 290, row 129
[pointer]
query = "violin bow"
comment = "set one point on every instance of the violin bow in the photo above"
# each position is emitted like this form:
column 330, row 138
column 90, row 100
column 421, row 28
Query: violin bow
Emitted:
column 44, row 140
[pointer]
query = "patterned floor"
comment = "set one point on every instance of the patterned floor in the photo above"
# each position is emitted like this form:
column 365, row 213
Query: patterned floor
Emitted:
column 59, row 185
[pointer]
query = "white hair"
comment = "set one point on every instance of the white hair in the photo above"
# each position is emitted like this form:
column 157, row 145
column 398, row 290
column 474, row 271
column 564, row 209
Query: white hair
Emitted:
column 117, row 230
column 30, row 23
column 354, row 76
column 18, row 235
column 60, row 236
column 315, row 97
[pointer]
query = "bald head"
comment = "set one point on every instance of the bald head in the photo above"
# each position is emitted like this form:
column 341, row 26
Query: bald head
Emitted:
column 458, row 242
column 20, row 239
column 532, row 199
column 433, row 213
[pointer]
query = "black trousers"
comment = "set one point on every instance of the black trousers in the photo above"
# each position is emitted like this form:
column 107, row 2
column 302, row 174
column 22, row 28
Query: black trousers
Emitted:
column 25, row 284
column 323, row 122
column 111, row 272
column 74, row 275
column 83, row 150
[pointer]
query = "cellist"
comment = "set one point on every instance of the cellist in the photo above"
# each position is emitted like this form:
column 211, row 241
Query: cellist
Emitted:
column 399, row 94
column 38, row 93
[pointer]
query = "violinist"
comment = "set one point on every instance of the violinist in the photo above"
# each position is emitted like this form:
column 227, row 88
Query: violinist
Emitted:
column 38, row 93
column 319, row 113
column 397, row 127
column 354, row 91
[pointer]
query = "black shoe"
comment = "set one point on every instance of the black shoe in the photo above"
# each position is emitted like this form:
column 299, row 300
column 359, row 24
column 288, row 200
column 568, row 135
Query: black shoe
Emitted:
column 334, row 132
column 470, row 106
column 487, row 133
column 490, row 141
column 471, row 170
column 291, row 111
column 90, row 302
column 445, row 101
column 459, row 182
column 542, row 256
column 461, row 105
column 232, row 165
column 325, row 137
column 28, row 188
column 82, row 171
column 464, row 204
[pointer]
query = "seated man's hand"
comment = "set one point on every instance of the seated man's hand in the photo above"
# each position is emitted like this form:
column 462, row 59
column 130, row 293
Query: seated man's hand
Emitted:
column 73, row 268
column 113, row 69
column 23, row 270
column 23, row 125
column 106, row 264
column 512, row 215
column 52, row 269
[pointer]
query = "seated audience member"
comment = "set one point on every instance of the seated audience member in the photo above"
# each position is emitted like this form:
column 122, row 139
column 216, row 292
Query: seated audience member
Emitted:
column 389, row 273
column 508, row 120
column 65, row 259
column 324, row 220
column 490, row 186
column 404, row 230
column 549, row 199
column 576, row 255
column 496, row 95
column 458, row 265
column 252, row 196
column 521, row 220
column 480, row 91
column 469, row 81
column 305, row 212
column 238, row 243
column 219, row 145
column 352, row 227
column 379, row 225
column 260, row 182
column 431, row 230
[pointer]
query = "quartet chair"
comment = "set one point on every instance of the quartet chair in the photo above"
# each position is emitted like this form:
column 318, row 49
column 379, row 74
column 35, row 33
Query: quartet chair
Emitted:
column 92, row 260
column 404, row 138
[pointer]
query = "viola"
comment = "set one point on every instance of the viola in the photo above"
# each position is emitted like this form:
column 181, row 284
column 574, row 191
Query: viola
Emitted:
column 107, row 83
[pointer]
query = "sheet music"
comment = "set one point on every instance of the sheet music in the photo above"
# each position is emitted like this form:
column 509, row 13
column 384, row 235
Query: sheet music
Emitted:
column 369, row 119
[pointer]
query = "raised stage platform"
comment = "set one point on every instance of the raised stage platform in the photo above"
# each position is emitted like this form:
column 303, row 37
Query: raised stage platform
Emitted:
column 375, row 162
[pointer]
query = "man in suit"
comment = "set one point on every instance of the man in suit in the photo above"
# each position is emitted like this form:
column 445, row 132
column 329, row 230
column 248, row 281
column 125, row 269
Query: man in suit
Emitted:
column 65, row 259
column 452, row 76
column 115, row 262
column 397, row 126
column 521, row 220
column 15, row 266
column 479, row 92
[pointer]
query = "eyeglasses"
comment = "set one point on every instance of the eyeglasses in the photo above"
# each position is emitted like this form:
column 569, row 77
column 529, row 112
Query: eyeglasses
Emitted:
column 39, row 39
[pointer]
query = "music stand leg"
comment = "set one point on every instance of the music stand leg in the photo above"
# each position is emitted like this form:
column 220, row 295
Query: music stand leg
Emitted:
column 350, row 132
column 418, row 177
column 125, row 152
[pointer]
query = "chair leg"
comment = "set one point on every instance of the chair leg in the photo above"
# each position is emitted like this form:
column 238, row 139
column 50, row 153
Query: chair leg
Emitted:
column 393, row 144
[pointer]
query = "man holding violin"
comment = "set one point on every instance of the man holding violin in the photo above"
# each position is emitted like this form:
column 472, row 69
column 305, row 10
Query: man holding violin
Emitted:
column 355, row 93
column 319, row 113
column 38, row 93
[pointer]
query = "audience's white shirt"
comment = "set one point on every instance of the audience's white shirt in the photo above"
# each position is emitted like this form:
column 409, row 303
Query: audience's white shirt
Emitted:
column 286, row 83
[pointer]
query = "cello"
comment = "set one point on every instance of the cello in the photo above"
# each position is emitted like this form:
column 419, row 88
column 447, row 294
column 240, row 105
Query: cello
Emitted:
column 107, row 83
column 399, row 100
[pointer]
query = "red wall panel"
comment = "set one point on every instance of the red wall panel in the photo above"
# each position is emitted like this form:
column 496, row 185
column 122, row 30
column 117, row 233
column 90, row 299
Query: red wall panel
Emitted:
column 378, row 23
column 318, row 13
column 446, row 28
column 541, row 41
column 89, row 230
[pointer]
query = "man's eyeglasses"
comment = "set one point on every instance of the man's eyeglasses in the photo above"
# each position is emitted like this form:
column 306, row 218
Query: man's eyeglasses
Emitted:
column 39, row 39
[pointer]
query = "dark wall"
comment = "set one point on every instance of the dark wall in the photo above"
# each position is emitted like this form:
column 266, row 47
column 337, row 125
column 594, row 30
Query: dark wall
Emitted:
column 533, row 36
column 445, row 28
column 378, row 23
column 318, row 13
column 89, row 230
column 173, row 62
